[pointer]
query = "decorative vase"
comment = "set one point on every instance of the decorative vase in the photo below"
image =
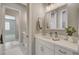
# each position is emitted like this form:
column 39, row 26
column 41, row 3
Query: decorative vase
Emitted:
column 70, row 38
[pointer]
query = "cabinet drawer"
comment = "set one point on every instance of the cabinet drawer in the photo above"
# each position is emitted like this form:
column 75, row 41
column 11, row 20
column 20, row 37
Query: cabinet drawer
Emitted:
column 62, row 51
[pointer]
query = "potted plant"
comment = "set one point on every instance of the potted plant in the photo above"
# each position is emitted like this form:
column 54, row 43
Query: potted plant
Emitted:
column 70, row 30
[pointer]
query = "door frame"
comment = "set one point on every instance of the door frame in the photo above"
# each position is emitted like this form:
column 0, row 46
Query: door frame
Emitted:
column 3, row 20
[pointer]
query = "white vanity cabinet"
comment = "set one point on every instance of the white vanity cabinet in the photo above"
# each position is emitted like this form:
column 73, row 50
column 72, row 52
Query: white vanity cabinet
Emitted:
column 44, row 48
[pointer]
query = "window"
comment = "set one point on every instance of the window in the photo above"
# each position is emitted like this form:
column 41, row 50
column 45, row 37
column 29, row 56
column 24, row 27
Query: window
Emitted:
column 63, row 19
column 7, row 26
column 59, row 19
column 7, row 23
column 53, row 21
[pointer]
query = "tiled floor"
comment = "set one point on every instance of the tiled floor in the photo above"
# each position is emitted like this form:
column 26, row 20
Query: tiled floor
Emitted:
column 12, row 48
column 10, row 37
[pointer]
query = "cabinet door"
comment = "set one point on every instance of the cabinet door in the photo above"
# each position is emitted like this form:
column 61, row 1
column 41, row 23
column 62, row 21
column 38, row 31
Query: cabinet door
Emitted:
column 41, row 49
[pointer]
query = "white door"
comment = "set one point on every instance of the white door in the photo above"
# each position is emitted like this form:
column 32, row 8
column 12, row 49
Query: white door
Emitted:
column 11, row 31
column 10, row 28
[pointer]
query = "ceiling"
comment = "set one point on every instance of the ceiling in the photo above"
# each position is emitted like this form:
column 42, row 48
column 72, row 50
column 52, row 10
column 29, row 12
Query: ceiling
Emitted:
column 25, row 4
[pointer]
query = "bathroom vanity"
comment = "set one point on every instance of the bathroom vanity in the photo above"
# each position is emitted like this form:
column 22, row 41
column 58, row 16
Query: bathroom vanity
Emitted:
column 46, row 46
column 56, row 20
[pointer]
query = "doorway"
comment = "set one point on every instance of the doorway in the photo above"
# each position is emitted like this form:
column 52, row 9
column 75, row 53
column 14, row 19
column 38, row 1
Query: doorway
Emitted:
column 11, row 25
column 15, row 28
column 10, row 28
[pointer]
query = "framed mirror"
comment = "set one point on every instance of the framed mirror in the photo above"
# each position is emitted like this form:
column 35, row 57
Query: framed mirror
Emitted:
column 58, row 19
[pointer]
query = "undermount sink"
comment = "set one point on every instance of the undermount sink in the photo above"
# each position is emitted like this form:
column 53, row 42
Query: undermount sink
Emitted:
column 52, row 38
column 55, row 39
column 47, row 36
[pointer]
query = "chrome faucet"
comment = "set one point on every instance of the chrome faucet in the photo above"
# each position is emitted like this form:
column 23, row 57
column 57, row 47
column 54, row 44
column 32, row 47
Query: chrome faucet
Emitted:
column 56, row 34
column 56, row 37
column 50, row 33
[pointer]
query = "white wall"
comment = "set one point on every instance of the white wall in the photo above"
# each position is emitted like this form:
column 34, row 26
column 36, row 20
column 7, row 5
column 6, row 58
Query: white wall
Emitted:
column 73, row 16
column 0, row 19
column 36, row 10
